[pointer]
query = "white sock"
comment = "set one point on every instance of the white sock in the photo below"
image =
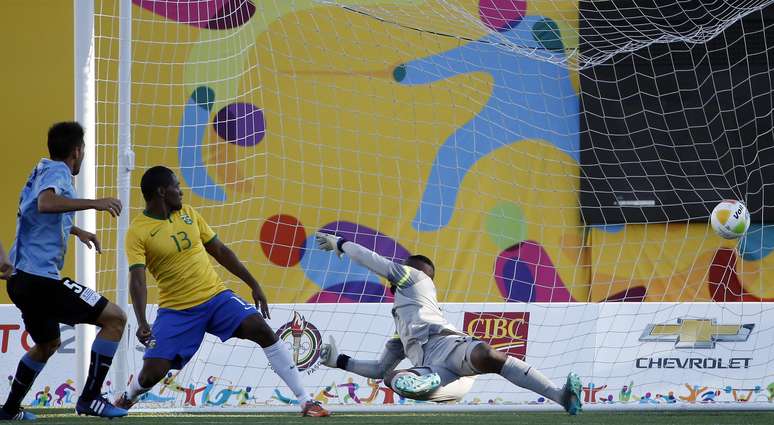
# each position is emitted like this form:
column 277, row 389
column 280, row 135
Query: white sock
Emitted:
column 283, row 365
column 525, row 376
column 135, row 391
column 366, row 368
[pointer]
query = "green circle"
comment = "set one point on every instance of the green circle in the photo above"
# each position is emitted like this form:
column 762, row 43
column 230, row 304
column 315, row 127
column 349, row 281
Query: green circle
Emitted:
column 204, row 97
column 547, row 33
column 505, row 225
column 399, row 73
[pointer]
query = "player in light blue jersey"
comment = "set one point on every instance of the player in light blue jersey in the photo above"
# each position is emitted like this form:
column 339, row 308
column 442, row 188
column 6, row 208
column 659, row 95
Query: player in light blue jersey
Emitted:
column 43, row 225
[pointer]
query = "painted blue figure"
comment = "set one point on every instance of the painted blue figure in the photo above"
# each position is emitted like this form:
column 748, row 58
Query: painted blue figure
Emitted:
column 532, row 98
column 153, row 398
column 207, row 390
column 668, row 399
column 223, row 396
column 709, row 396
column 282, row 398
column 193, row 128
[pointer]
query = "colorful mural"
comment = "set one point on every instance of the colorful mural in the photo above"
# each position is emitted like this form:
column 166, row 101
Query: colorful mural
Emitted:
column 463, row 149
column 281, row 121
column 239, row 130
column 357, row 390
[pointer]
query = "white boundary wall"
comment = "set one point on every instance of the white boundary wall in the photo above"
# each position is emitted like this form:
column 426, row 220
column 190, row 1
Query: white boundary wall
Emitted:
column 612, row 346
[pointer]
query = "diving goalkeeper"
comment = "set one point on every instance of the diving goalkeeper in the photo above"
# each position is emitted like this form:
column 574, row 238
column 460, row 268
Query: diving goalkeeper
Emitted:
column 442, row 356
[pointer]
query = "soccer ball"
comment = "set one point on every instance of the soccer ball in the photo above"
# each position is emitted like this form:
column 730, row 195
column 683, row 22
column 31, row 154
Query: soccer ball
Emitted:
column 730, row 219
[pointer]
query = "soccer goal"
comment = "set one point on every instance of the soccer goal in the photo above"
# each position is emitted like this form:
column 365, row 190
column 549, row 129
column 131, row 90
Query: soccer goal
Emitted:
column 557, row 159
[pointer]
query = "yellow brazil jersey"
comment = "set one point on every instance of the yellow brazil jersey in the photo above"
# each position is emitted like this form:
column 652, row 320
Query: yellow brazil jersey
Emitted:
column 172, row 250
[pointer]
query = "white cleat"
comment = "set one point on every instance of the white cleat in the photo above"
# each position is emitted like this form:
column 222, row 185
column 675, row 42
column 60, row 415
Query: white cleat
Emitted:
column 329, row 354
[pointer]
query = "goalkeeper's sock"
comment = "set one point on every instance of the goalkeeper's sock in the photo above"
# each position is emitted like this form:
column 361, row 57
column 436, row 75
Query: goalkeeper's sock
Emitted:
column 526, row 376
column 283, row 365
column 367, row 368
column 136, row 390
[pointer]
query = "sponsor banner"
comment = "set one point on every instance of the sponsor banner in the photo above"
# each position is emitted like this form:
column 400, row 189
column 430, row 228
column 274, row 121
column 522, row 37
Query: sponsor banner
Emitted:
column 625, row 353
column 504, row 331
column 686, row 352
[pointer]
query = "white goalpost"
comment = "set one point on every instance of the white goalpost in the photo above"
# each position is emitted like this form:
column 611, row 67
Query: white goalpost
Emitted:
column 85, row 105
column 556, row 159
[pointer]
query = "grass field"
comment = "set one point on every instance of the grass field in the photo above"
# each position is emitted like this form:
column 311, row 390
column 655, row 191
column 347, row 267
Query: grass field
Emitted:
column 457, row 418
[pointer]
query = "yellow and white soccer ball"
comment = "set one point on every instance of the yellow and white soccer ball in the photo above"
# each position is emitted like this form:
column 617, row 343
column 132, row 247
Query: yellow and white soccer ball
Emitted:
column 730, row 219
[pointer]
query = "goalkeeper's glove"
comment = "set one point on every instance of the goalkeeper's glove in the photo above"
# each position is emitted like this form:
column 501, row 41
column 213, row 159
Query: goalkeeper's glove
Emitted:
column 328, row 242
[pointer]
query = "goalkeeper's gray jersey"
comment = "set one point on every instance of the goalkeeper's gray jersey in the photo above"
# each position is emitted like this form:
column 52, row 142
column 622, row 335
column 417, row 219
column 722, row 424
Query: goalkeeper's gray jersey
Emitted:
column 416, row 311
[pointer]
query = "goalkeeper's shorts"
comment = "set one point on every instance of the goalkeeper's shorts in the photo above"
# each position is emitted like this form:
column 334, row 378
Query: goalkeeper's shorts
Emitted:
column 450, row 354
column 449, row 357
column 179, row 333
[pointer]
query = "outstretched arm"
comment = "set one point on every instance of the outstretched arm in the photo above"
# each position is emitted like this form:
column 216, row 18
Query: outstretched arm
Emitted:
column 226, row 258
column 50, row 202
column 390, row 270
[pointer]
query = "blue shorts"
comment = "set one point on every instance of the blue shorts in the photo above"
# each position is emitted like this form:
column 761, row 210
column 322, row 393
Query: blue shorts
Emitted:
column 179, row 333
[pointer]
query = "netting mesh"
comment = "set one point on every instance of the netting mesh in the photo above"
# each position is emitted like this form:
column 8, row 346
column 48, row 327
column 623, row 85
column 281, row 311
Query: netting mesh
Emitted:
column 556, row 159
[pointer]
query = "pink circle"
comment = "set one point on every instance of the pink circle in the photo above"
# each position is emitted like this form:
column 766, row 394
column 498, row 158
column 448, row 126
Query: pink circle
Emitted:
column 501, row 15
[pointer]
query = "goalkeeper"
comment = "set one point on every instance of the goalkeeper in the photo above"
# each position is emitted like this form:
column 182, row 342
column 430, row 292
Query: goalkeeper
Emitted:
column 441, row 355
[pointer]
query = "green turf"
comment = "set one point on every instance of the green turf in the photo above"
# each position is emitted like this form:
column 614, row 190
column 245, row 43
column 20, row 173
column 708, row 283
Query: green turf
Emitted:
column 466, row 418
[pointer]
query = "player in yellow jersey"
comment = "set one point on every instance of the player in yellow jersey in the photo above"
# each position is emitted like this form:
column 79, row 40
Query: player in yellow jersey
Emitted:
column 172, row 241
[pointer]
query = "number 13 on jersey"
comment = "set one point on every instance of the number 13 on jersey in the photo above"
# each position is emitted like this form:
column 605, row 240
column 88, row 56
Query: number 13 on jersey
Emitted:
column 181, row 241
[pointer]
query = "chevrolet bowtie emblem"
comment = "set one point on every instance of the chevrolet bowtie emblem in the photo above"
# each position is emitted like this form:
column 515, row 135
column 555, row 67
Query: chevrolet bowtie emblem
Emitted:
column 696, row 333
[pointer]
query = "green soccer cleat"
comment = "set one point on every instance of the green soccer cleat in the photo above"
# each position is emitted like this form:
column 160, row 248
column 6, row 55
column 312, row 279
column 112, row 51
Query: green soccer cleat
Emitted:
column 573, row 389
column 413, row 386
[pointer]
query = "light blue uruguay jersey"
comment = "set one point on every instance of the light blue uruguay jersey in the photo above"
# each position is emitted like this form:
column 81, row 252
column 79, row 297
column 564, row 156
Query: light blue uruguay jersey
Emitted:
column 41, row 239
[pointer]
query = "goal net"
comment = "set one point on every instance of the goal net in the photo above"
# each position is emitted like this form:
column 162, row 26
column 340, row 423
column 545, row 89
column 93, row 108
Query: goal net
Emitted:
column 556, row 159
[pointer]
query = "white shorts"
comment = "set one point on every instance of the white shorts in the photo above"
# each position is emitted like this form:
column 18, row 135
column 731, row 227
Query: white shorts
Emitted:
column 450, row 355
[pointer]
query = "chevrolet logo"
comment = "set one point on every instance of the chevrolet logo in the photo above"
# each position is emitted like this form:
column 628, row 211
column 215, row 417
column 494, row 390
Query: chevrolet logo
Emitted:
column 696, row 333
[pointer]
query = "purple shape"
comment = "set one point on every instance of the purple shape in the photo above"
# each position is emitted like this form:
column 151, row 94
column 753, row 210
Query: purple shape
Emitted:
column 501, row 15
column 211, row 14
column 353, row 292
column 514, row 280
column 369, row 238
column 233, row 14
column 240, row 123
column 527, row 264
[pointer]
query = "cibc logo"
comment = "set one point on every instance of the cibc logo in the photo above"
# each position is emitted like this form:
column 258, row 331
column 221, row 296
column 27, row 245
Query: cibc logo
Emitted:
column 504, row 331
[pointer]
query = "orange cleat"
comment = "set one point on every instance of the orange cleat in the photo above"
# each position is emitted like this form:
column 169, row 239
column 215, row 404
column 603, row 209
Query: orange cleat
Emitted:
column 123, row 402
column 314, row 409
